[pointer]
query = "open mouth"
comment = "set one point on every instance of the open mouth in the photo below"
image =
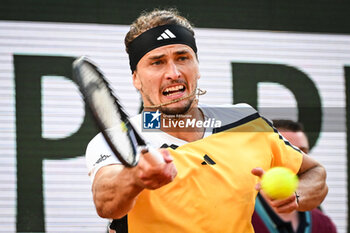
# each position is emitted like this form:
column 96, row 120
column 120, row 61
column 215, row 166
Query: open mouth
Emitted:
column 174, row 90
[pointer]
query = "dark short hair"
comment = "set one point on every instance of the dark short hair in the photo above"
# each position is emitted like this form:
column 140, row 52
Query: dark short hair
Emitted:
column 288, row 125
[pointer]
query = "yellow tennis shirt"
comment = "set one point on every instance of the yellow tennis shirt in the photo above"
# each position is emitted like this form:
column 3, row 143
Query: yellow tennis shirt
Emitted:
column 214, row 190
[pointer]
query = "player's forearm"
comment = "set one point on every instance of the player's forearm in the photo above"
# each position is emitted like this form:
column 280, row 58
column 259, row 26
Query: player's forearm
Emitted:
column 312, row 188
column 115, row 193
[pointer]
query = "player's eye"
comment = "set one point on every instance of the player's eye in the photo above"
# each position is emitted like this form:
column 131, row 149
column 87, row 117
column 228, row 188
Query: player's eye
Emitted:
column 183, row 58
column 158, row 62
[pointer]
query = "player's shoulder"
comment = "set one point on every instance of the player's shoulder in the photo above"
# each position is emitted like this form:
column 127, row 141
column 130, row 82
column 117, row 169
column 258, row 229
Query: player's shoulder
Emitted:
column 242, row 109
column 228, row 113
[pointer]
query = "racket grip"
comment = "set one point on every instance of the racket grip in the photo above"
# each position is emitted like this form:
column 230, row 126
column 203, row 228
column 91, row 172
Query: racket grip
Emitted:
column 156, row 157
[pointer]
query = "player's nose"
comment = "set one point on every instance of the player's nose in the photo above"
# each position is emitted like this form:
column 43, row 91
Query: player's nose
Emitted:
column 172, row 71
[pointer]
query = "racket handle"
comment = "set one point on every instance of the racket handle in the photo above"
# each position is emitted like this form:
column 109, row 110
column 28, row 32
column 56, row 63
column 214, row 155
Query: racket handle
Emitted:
column 155, row 156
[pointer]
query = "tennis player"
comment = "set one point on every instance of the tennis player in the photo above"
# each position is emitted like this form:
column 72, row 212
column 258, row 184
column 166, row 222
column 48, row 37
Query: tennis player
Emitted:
column 210, row 177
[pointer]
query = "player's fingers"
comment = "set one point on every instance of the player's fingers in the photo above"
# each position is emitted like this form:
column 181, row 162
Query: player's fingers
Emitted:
column 152, row 184
column 258, row 186
column 156, row 177
column 285, row 205
column 287, row 208
column 156, row 183
column 171, row 171
column 258, row 171
column 166, row 155
column 153, row 156
column 280, row 202
column 168, row 174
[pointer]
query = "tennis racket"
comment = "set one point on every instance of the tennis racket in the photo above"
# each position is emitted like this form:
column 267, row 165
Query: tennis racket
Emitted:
column 109, row 115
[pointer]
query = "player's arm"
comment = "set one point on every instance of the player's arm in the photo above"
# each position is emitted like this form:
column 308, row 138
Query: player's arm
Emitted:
column 115, row 187
column 114, row 191
column 311, row 191
column 312, row 187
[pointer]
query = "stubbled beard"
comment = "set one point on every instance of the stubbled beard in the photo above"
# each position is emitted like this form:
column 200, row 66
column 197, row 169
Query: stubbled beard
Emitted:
column 175, row 110
column 178, row 110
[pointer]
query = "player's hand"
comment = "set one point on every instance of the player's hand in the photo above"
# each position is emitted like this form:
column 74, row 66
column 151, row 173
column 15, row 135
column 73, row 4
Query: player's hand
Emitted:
column 286, row 205
column 151, row 176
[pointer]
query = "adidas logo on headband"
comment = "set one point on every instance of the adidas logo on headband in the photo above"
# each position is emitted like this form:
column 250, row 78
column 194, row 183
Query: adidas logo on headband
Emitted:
column 167, row 34
column 156, row 37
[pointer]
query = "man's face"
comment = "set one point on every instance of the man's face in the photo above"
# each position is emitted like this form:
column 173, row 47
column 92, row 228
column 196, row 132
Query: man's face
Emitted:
column 298, row 139
column 166, row 74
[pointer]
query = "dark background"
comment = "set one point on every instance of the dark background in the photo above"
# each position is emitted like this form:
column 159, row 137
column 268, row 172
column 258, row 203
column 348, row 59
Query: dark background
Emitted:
column 323, row 16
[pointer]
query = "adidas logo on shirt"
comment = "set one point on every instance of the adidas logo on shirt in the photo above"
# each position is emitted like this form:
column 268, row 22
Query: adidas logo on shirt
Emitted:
column 167, row 34
column 208, row 160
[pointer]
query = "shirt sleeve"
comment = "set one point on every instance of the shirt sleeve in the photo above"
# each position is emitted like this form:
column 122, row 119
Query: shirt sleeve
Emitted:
column 98, row 154
column 284, row 154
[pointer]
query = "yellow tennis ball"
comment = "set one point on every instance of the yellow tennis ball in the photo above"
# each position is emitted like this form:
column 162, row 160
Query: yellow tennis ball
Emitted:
column 279, row 182
column 123, row 127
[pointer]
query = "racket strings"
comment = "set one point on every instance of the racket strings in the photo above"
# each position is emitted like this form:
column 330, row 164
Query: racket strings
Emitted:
column 95, row 74
column 198, row 92
column 107, row 112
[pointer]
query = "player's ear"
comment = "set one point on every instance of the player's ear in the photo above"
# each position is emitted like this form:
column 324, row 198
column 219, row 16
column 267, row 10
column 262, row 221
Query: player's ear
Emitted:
column 197, row 69
column 199, row 75
column 136, row 81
